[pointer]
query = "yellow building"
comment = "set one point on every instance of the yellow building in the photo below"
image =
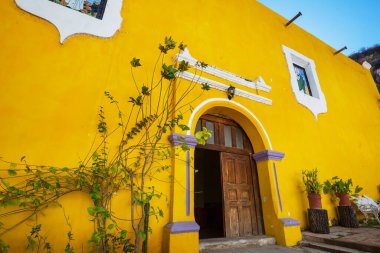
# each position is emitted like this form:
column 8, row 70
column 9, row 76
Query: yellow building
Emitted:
column 296, row 106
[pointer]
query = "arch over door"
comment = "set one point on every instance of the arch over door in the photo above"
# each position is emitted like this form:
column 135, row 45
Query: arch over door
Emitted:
column 242, row 214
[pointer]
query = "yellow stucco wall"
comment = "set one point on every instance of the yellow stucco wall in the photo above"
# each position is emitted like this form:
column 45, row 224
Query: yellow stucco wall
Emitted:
column 50, row 95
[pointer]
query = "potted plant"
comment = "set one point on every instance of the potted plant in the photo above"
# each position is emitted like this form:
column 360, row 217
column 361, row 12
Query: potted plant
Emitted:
column 341, row 189
column 313, row 188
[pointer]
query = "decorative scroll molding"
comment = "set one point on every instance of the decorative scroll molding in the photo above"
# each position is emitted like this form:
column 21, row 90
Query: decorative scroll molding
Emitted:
column 289, row 222
column 268, row 155
column 257, row 84
column 182, row 227
column 179, row 139
column 71, row 21
column 220, row 86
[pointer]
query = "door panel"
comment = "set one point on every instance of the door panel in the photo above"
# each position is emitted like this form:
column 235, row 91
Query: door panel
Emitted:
column 238, row 195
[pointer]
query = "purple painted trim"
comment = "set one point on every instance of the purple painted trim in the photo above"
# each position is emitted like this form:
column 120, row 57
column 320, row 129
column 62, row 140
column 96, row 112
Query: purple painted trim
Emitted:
column 179, row 139
column 268, row 155
column 188, row 183
column 277, row 188
column 288, row 222
column 182, row 227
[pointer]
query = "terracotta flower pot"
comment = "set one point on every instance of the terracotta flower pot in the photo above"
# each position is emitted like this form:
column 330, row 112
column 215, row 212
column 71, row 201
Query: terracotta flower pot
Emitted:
column 314, row 200
column 344, row 199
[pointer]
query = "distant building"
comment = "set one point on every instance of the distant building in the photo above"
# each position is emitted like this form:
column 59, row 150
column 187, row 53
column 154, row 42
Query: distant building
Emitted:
column 372, row 56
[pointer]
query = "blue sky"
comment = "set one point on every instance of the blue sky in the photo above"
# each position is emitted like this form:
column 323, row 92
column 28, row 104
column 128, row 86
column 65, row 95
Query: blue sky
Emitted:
column 351, row 23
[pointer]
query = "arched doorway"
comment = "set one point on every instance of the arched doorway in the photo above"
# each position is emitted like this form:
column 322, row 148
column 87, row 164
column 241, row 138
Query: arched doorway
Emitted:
column 226, row 188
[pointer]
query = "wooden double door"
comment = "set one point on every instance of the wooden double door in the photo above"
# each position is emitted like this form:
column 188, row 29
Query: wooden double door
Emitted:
column 242, row 213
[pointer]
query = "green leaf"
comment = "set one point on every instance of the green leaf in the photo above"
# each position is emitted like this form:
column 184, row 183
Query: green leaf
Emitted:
column 12, row 172
column 203, row 135
column 31, row 243
column 111, row 226
column 206, row 86
column 161, row 213
column 91, row 211
column 135, row 62
column 185, row 147
column 183, row 66
column 168, row 72
column 53, row 170
column 5, row 183
column 169, row 44
column 145, row 90
column 181, row 46
column 142, row 234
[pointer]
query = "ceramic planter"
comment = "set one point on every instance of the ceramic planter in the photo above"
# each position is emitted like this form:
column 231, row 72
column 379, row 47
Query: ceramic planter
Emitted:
column 344, row 199
column 314, row 200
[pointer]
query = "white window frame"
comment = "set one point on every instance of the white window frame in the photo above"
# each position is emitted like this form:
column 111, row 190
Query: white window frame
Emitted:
column 69, row 21
column 315, row 103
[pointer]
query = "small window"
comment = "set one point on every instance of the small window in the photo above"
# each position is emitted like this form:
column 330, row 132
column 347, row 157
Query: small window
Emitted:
column 198, row 127
column 210, row 127
column 304, row 81
column 239, row 138
column 227, row 136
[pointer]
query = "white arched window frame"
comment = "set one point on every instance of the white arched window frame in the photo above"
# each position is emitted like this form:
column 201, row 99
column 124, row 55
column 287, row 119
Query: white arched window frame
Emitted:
column 316, row 102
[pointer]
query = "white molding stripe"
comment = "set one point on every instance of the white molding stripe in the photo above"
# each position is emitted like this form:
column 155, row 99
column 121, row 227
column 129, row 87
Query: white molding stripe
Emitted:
column 220, row 86
column 259, row 83
column 243, row 108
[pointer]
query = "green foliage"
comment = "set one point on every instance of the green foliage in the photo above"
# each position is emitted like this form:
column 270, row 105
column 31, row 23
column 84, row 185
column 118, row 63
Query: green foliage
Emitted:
column 203, row 135
column 338, row 185
column 206, row 86
column 310, row 180
column 69, row 248
column 201, row 64
column 135, row 62
column 145, row 90
column 183, row 66
column 136, row 101
column 182, row 46
column 36, row 241
column 140, row 153
column 168, row 45
column 3, row 247
column 168, row 72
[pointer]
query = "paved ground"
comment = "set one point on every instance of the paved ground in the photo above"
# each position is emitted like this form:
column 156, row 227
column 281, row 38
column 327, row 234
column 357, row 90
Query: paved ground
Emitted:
column 369, row 236
column 354, row 238
column 266, row 249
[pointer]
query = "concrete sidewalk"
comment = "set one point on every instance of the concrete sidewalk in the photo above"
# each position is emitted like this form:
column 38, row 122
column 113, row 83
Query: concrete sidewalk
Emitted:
column 364, row 238
column 267, row 249
column 340, row 240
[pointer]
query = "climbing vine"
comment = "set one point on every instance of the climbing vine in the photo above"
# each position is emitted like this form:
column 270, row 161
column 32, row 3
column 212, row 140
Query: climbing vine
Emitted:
column 142, row 152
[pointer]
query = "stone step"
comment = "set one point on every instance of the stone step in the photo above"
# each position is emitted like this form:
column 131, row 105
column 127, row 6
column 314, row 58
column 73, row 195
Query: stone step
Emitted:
column 328, row 247
column 322, row 238
column 232, row 243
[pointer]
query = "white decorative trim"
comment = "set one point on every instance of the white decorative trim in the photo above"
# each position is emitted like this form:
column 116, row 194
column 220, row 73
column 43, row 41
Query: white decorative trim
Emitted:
column 220, row 86
column 69, row 21
column 225, row 100
column 316, row 103
column 257, row 84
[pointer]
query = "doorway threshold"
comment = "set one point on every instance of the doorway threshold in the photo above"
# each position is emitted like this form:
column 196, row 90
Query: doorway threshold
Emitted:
column 237, row 242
